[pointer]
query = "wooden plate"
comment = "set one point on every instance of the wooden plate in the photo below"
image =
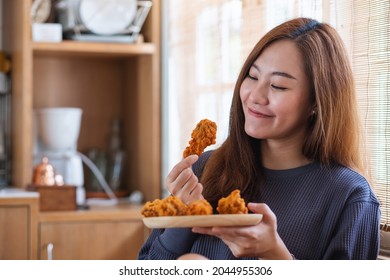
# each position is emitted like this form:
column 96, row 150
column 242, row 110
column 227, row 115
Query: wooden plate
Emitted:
column 225, row 220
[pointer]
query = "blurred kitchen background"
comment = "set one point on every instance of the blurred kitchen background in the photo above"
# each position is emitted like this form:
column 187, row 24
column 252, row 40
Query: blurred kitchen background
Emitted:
column 188, row 73
column 5, row 112
column 1, row 24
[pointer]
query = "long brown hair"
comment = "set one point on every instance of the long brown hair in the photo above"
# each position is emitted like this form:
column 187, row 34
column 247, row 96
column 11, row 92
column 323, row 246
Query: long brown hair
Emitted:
column 333, row 131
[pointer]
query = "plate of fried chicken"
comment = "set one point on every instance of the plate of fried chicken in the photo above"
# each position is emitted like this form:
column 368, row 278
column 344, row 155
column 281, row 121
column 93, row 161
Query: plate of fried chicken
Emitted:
column 171, row 212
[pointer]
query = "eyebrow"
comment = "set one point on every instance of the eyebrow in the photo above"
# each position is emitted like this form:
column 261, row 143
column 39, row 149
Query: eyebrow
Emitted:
column 283, row 74
column 277, row 73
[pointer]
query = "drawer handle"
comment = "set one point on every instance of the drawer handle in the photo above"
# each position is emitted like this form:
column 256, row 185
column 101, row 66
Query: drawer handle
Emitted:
column 50, row 248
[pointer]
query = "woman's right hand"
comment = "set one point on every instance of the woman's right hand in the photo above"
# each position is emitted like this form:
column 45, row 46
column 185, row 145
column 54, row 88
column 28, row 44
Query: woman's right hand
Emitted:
column 183, row 183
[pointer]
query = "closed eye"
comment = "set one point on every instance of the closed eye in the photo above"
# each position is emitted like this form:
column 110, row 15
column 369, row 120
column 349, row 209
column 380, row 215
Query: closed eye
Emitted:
column 251, row 77
column 278, row 88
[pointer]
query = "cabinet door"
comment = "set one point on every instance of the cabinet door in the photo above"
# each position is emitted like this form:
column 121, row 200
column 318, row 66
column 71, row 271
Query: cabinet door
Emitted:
column 14, row 233
column 91, row 240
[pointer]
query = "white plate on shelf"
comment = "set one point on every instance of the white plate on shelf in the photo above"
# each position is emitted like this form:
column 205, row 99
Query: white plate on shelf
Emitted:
column 107, row 17
column 222, row 220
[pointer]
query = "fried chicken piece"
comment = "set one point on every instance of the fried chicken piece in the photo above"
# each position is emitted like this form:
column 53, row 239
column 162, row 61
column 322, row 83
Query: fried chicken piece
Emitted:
column 232, row 204
column 169, row 206
column 202, row 136
column 152, row 208
column 176, row 205
column 200, row 207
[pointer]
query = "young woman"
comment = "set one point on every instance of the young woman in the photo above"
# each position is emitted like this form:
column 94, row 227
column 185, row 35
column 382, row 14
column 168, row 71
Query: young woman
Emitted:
column 292, row 150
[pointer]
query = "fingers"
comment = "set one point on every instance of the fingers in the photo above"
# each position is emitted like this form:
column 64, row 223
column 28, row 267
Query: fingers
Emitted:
column 226, row 233
column 190, row 196
column 262, row 208
column 259, row 208
column 203, row 230
column 197, row 191
column 178, row 168
column 183, row 183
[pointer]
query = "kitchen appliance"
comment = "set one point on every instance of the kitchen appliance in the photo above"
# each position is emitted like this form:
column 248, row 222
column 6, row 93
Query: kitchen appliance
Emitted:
column 56, row 131
column 103, row 20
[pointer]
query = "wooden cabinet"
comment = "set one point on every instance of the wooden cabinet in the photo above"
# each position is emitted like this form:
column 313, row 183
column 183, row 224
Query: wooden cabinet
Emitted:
column 105, row 80
column 18, row 224
column 105, row 233
column 100, row 233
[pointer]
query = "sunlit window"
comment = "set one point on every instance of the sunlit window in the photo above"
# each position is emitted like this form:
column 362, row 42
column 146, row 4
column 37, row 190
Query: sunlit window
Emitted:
column 207, row 41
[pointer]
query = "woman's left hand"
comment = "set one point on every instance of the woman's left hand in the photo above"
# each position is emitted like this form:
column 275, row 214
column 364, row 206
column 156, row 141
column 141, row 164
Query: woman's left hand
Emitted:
column 261, row 240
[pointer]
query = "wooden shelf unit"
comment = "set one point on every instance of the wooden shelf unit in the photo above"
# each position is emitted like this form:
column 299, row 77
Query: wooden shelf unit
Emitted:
column 105, row 80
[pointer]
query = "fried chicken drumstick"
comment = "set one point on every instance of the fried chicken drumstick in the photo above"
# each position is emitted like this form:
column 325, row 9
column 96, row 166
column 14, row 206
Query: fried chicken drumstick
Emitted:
column 202, row 136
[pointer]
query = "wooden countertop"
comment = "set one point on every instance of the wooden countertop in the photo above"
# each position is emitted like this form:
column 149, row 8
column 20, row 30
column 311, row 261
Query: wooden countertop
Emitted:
column 15, row 194
column 121, row 211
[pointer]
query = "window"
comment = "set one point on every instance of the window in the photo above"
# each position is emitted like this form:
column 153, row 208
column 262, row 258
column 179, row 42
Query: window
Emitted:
column 206, row 43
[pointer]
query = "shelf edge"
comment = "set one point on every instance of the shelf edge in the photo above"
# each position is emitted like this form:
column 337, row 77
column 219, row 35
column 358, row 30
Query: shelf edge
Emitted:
column 92, row 48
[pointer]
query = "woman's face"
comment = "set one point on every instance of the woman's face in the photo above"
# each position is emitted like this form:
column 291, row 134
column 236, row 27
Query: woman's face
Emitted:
column 275, row 94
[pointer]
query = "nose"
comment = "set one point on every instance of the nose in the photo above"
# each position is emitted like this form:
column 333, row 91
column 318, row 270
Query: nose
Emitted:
column 259, row 94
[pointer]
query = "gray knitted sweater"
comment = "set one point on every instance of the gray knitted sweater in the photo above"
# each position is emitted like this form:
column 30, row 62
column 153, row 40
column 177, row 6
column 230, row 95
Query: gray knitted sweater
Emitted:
column 322, row 213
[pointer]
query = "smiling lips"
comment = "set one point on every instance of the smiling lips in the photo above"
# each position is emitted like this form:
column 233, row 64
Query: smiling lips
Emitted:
column 258, row 114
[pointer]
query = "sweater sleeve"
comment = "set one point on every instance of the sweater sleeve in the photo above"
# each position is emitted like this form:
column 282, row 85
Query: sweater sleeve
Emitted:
column 356, row 236
column 167, row 244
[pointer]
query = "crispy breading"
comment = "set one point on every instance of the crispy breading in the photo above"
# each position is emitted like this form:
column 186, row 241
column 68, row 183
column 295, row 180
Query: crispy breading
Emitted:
column 200, row 207
column 169, row 206
column 152, row 209
column 202, row 136
column 174, row 206
column 232, row 204
column 178, row 206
